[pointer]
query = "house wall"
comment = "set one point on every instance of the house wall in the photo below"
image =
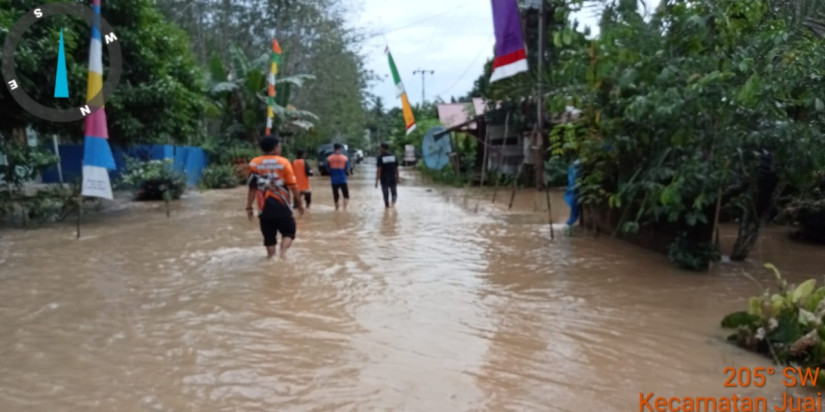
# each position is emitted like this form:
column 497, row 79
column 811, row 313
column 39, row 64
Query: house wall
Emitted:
column 511, row 148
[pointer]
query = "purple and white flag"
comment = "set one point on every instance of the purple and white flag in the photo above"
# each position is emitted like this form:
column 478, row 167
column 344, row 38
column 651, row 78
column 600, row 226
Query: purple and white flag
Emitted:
column 511, row 59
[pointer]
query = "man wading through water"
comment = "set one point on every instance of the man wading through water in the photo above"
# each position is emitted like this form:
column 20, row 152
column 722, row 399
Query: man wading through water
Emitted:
column 302, row 174
column 387, row 174
column 338, row 171
column 270, row 181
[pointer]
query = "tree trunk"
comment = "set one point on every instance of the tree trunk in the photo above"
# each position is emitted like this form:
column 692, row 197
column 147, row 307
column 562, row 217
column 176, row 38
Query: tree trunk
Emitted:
column 749, row 225
column 752, row 221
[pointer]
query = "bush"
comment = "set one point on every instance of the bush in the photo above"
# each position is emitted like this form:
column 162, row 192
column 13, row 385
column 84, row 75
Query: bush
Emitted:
column 688, row 254
column 786, row 325
column 53, row 204
column 809, row 215
column 807, row 211
column 555, row 172
column 153, row 180
column 23, row 163
column 234, row 152
column 226, row 151
column 219, row 176
column 447, row 175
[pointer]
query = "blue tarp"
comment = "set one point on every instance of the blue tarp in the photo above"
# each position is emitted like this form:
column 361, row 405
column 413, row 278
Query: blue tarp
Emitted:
column 187, row 159
column 70, row 162
column 570, row 195
column 191, row 161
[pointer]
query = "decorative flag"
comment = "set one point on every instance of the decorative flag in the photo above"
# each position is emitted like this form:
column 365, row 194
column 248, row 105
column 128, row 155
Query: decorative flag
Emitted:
column 270, row 109
column 511, row 58
column 409, row 119
column 97, row 155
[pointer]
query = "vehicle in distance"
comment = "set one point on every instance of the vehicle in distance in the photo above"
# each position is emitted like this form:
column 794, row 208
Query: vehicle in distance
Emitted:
column 324, row 152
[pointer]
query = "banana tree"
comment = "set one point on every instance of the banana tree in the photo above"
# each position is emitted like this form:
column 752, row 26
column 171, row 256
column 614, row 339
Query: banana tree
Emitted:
column 240, row 97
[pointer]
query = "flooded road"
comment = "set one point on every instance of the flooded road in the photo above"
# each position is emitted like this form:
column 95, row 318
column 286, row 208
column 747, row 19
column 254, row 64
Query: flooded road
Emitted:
column 449, row 303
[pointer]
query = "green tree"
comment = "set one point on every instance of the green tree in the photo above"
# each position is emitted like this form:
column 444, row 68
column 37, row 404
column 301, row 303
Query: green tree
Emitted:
column 705, row 99
column 160, row 96
column 240, row 97
column 314, row 38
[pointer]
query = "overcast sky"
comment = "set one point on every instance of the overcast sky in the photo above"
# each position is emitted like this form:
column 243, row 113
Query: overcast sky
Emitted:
column 451, row 37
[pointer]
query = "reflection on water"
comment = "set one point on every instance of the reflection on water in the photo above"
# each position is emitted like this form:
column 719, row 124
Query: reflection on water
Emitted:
column 447, row 303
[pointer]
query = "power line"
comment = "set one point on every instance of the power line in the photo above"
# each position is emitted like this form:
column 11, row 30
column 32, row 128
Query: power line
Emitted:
column 472, row 64
column 423, row 73
column 384, row 32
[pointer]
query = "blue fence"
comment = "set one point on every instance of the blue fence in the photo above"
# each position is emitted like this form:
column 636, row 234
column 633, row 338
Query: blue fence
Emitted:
column 187, row 159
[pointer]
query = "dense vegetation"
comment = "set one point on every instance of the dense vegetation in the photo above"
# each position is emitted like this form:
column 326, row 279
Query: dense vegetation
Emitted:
column 196, row 74
column 700, row 102
column 315, row 42
column 160, row 96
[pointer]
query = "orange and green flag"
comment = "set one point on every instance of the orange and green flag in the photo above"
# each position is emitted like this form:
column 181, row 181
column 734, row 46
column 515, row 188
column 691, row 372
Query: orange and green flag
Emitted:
column 273, row 71
column 406, row 109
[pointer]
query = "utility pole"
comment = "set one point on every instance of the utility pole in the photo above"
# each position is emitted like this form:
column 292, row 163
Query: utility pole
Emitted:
column 423, row 73
column 539, row 109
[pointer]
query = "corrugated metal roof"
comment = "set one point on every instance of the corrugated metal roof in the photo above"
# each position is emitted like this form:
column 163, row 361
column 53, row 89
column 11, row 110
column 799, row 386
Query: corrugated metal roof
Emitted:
column 454, row 114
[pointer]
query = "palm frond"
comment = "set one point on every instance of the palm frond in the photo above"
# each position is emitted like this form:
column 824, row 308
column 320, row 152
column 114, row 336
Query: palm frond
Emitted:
column 298, row 79
column 239, row 62
column 216, row 70
column 303, row 124
column 262, row 62
column 224, row 87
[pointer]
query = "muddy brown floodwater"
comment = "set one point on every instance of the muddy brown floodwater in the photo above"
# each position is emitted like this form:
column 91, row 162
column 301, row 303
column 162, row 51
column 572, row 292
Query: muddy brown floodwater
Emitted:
column 449, row 303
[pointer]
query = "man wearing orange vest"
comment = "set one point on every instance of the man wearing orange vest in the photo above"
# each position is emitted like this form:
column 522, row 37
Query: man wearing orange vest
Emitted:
column 302, row 174
column 338, row 171
column 271, row 180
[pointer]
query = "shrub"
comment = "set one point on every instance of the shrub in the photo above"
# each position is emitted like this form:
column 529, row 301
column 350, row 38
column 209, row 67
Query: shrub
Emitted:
column 555, row 172
column 786, row 325
column 22, row 163
column 447, row 175
column 219, row 176
column 228, row 151
column 807, row 211
column 153, row 180
column 53, row 204
column 688, row 254
column 809, row 214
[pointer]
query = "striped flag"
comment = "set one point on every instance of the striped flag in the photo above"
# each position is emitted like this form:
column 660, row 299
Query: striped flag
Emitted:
column 270, row 109
column 409, row 119
column 511, row 59
column 97, row 155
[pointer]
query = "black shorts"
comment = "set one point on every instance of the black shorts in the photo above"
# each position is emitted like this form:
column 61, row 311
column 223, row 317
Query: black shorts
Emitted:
column 270, row 226
column 344, row 190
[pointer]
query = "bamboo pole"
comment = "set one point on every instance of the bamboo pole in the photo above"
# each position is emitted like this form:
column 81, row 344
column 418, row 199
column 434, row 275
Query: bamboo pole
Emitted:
column 59, row 160
column 484, row 162
column 79, row 213
column 518, row 174
column 539, row 98
column 515, row 182
column 486, row 154
column 549, row 213
column 501, row 154
column 167, row 197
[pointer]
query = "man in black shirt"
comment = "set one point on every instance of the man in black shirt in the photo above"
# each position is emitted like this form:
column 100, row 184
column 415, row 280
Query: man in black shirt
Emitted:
column 387, row 174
